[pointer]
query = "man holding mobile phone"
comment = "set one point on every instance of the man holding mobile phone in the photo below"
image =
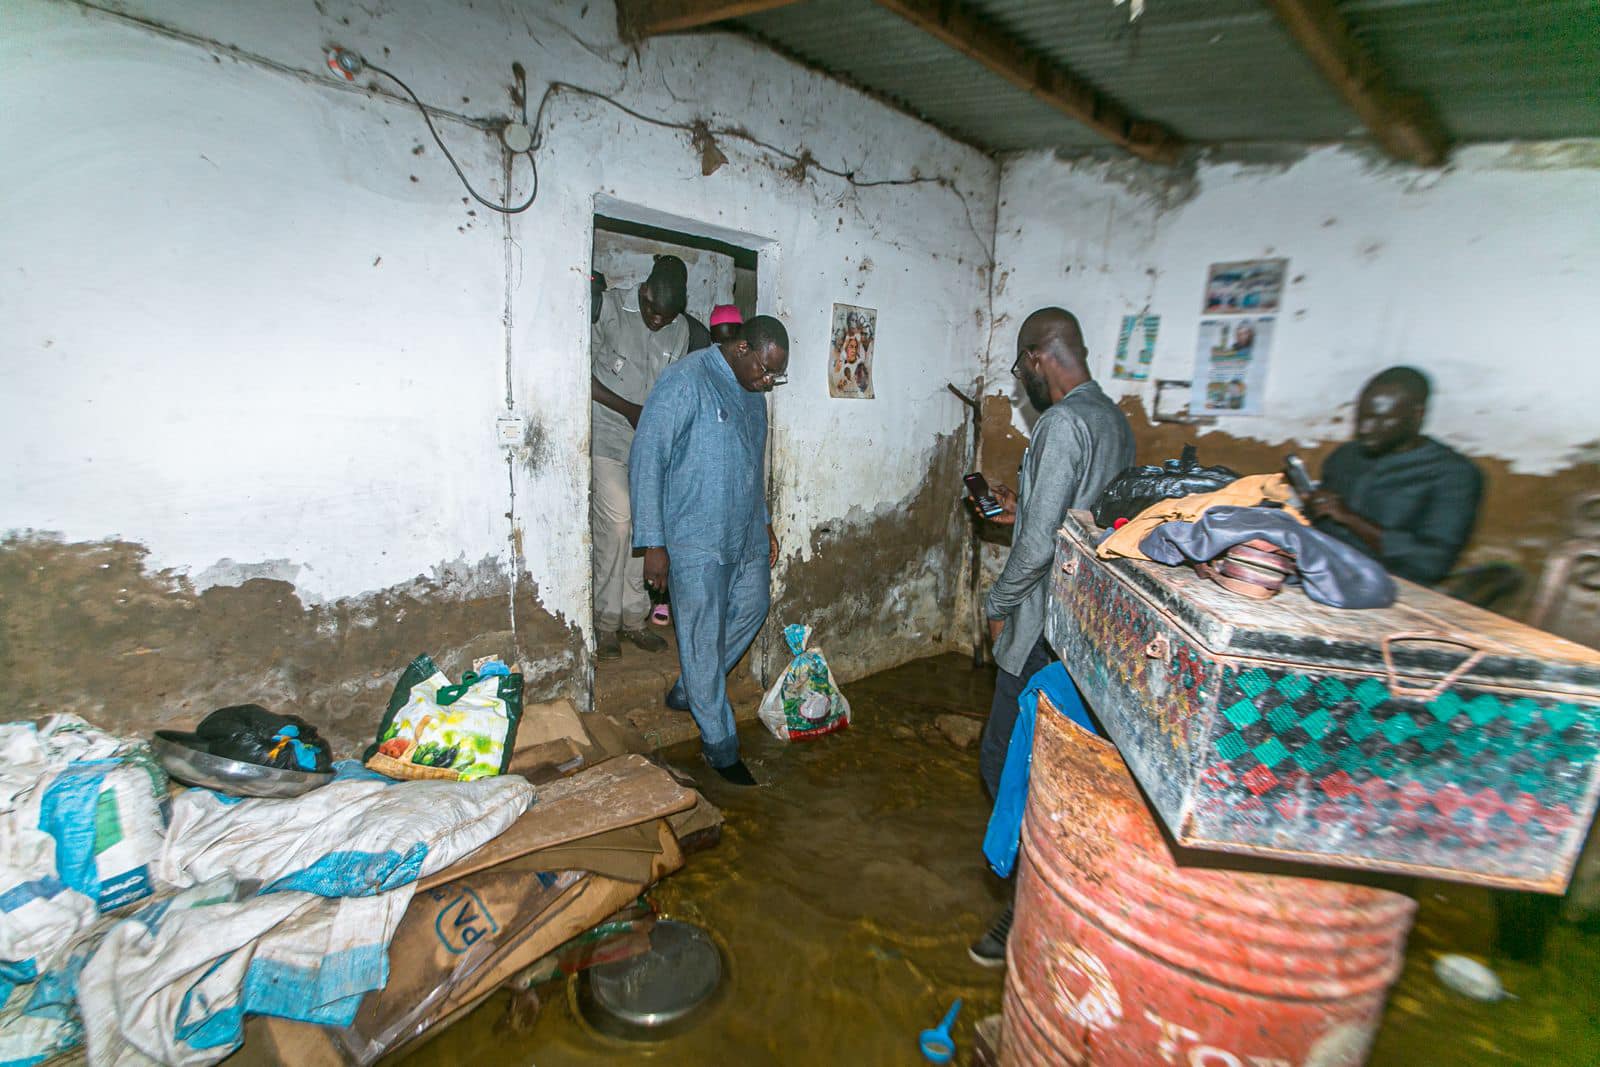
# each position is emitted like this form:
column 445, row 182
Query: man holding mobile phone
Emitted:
column 1394, row 493
column 1081, row 441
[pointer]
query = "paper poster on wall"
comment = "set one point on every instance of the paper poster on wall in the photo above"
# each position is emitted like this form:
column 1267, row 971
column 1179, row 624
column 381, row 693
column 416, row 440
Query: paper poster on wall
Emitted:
column 1138, row 333
column 1252, row 286
column 850, row 359
column 1230, row 365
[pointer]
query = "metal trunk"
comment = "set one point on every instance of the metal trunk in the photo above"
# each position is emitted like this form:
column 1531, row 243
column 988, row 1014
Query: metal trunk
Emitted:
column 1429, row 738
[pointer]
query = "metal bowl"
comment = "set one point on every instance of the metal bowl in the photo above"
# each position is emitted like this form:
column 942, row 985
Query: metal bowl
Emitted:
column 195, row 766
column 659, row 993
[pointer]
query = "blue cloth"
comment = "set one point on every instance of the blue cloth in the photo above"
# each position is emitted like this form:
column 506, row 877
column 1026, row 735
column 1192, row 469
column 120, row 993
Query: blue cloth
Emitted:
column 304, row 755
column 717, row 609
column 1001, row 840
column 67, row 813
column 495, row 668
column 1330, row 571
column 695, row 474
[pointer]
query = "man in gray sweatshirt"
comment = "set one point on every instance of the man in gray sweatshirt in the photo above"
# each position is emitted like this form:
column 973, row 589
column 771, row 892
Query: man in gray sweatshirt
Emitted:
column 1081, row 441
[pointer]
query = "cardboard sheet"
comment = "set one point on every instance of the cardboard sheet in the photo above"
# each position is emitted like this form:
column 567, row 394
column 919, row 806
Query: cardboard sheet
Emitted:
column 620, row 792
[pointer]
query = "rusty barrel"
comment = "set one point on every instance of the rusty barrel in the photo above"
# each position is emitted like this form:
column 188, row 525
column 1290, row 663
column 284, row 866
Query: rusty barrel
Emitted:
column 1118, row 957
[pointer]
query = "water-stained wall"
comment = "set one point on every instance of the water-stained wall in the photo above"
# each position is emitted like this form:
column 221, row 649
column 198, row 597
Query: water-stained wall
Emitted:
column 1483, row 273
column 256, row 337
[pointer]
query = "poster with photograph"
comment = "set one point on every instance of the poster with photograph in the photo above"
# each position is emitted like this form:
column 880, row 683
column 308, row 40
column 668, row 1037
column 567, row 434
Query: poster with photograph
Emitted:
column 850, row 352
column 1230, row 365
column 1136, row 347
column 1253, row 286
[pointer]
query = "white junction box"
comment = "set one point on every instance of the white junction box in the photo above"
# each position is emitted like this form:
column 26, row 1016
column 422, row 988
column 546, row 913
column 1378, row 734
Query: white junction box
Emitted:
column 508, row 429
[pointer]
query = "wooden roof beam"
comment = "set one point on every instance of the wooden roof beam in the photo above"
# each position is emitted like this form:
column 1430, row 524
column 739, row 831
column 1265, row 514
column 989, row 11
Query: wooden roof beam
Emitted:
column 638, row 19
column 969, row 32
column 1405, row 126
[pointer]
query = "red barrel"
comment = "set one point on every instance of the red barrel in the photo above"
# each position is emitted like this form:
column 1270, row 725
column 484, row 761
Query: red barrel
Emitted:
column 1118, row 957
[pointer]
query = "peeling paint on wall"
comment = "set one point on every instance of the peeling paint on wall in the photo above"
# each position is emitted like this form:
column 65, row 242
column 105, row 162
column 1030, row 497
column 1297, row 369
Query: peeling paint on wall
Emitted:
column 1003, row 444
column 89, row 628
column 1551, row 155
column 274, row 424
column 1482, row 273
column 1162, row 186
column 883, row 585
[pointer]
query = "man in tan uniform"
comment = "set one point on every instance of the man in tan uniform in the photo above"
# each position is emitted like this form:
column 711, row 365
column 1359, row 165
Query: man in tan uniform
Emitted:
column 638, row 333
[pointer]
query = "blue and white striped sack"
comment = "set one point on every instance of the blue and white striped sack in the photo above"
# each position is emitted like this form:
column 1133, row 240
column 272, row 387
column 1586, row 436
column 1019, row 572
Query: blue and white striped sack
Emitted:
column 39, row 918
column 336, row 870
column 81, row 825
column 99, row 796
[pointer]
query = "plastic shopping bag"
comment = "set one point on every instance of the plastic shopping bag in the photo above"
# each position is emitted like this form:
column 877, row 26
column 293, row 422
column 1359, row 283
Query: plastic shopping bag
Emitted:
column 805, row 702
column 433, row 729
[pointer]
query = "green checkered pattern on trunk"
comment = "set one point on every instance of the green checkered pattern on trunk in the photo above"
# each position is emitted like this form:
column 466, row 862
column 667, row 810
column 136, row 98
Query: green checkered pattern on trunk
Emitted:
column 1319, row 724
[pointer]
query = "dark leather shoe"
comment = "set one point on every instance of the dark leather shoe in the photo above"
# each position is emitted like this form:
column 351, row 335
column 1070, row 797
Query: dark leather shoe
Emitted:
column 645, row 640
column 606, row 646
column 737, row 773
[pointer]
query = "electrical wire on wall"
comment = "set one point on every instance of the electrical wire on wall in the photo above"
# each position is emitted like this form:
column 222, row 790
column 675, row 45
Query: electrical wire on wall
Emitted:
column 525, row 139
column 516, row 136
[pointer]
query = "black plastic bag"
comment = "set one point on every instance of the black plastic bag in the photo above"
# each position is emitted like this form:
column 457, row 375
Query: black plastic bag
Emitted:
column 1138, row 487
column 252, row 734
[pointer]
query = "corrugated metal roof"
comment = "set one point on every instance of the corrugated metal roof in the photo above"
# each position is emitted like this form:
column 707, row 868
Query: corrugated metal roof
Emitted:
column 1220, row 70
column 1492, row 69
column 881, row 51
column 1212, row 70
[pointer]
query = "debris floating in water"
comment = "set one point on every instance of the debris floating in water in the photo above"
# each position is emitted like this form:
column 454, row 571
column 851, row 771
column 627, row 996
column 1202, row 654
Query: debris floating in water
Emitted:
column 1470, row 978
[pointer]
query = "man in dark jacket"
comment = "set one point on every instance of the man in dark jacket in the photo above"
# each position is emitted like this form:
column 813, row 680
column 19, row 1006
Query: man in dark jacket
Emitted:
column 1081, row 441
column 1402, row 498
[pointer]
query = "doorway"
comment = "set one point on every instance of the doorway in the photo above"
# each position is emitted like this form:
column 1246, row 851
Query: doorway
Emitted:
column 720, row 271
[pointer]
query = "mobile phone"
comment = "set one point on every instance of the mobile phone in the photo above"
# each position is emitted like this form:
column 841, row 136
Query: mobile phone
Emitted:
column 978, row 490
column 1294, row 469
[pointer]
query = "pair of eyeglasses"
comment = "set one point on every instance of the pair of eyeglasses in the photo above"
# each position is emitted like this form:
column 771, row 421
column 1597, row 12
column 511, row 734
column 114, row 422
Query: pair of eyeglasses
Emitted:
column 1024, row 354
column 770, row 376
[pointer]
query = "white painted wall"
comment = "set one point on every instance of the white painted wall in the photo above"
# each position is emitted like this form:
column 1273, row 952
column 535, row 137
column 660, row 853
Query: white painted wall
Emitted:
column 205, row 354
column 233, row 327
column 1484, row 273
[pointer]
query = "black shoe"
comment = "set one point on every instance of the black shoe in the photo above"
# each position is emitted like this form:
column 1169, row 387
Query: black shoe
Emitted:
column 676, row 698
column 645, row 640
column 606, row 646
column 737, row 773
column 990, row 949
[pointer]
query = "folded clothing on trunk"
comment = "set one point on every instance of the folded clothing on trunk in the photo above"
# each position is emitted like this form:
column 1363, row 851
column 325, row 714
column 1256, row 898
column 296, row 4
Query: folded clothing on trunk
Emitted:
column 1251, row 491
column 1332, row 572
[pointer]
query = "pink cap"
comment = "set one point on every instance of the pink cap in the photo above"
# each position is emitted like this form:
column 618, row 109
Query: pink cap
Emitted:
column 726, row 314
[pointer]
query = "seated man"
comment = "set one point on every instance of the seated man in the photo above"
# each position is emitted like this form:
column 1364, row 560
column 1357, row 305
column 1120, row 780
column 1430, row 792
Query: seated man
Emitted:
column 1402, row 498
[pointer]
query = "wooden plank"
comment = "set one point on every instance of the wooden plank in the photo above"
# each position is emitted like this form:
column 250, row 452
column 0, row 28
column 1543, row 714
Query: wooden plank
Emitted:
column 619, row 792
column 969, row 32
column 638, row 19
column 1405, row 126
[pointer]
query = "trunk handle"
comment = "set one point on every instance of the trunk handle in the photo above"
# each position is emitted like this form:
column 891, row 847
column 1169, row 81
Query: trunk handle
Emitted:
column 1399, row 689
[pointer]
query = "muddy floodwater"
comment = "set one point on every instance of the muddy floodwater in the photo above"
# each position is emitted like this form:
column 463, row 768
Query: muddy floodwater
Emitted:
column 847, row 887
